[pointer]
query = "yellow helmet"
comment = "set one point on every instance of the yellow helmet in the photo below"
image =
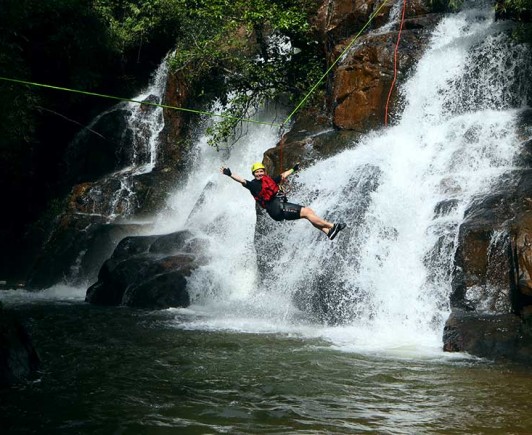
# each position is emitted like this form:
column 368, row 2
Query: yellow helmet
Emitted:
column 256, row 166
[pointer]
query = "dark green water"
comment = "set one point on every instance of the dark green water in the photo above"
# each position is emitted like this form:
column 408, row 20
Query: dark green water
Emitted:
column 122, row 371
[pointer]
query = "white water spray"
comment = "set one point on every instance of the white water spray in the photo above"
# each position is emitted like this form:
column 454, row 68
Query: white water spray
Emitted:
column 402, row 191
column 146, row 122
column 137, row 147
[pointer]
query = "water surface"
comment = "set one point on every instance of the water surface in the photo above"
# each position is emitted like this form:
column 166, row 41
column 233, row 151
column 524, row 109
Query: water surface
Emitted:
column 119, row 370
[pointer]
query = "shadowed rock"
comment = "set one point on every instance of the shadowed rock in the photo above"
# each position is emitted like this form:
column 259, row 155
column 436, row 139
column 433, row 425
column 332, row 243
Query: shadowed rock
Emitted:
column 149, row 272
column 18, row 357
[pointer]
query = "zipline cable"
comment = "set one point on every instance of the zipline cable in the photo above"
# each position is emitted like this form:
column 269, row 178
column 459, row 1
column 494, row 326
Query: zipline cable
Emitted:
column 309, row 93
column 372, row 16
column 394, row 64
column 147, row 103
column 201, row 112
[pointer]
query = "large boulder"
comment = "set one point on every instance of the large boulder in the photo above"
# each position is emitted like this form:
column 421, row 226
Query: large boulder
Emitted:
column 18, row 358
column 364, row 77
column 494, row 336
column 491, row 294
column 149, row 271
column 92, row 224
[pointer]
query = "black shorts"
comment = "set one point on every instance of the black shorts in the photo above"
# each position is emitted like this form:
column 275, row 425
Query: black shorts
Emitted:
column 281, row 211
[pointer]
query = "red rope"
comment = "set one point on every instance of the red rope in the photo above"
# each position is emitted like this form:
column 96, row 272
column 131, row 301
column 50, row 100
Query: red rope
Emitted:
column 281, row 155
column 395, row 63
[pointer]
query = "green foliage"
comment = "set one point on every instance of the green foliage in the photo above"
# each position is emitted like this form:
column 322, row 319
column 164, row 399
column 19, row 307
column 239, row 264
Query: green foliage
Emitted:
column 224, row 51
column 221, row 49
column 135, row 22
column 517, row 9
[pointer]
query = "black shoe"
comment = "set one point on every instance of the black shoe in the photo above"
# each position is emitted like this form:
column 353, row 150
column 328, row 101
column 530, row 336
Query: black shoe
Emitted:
column 335, row 230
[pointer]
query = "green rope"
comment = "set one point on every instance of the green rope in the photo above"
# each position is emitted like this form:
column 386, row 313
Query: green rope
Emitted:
column 334, row 63
column 147, row 103
column 200, row 112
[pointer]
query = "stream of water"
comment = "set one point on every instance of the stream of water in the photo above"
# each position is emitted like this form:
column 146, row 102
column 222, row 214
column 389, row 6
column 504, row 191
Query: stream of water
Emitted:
column 250, row 355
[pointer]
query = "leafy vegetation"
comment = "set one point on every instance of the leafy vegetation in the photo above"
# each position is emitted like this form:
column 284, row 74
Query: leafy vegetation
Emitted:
column 253, row 51
column 223, row 48
column 519, row 11
column 111, row 47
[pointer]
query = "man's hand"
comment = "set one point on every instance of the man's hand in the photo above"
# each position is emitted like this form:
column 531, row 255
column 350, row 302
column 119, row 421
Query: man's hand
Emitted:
column 226, row 171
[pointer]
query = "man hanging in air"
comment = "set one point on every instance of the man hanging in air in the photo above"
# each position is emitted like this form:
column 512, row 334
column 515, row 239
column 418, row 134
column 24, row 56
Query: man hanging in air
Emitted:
column 265, row 190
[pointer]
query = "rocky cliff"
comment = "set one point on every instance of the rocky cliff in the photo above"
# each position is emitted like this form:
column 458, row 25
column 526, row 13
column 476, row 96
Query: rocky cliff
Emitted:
column 355, row 104
column 492, row 281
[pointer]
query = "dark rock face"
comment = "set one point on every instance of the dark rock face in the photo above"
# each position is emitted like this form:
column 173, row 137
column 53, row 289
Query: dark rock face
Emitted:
column 110, row 190
column 361, row 81
column 494, row 336
column 18, row 357
column 89, row 229
column 100, row 149
column 491, row 289
column 149, row 272
column 363, row 77
column 76, row 250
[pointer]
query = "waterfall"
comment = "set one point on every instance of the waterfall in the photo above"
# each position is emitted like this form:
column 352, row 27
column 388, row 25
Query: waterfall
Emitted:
column 403, row 191
column 145, row 123
column 126, row 137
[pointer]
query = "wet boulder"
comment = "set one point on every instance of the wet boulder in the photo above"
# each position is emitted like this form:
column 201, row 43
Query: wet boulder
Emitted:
column 18, row 358
column 149, row 271
column 495, row 336
column 364, row 77
column 492, row 283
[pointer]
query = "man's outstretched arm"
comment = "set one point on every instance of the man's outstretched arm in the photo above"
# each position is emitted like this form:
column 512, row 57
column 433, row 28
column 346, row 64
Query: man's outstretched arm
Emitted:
column 227, row 171
column 285, row 174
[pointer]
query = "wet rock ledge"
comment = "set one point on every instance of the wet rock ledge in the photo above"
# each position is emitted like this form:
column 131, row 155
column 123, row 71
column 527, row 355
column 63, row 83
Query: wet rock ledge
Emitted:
column 149, row 271
column 18, row 358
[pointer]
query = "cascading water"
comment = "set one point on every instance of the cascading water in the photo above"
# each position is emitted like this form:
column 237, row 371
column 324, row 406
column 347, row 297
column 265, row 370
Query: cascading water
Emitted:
column 135, row 140
column 402, row 191
column 380, row 289
column 145, row 123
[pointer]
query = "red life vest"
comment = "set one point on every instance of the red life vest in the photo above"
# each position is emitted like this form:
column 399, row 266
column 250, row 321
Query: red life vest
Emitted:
column 267, row 192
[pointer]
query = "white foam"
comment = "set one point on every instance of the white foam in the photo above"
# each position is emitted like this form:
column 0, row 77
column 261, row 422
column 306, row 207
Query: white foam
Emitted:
column 451, row 143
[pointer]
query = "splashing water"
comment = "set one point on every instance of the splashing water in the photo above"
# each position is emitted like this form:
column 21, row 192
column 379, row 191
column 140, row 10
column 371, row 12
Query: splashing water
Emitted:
column 147, row 122
column 384, row 283
column 137, row 142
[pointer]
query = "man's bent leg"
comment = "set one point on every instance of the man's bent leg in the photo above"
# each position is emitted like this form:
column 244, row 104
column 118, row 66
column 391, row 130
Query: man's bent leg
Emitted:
column 314, row 219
